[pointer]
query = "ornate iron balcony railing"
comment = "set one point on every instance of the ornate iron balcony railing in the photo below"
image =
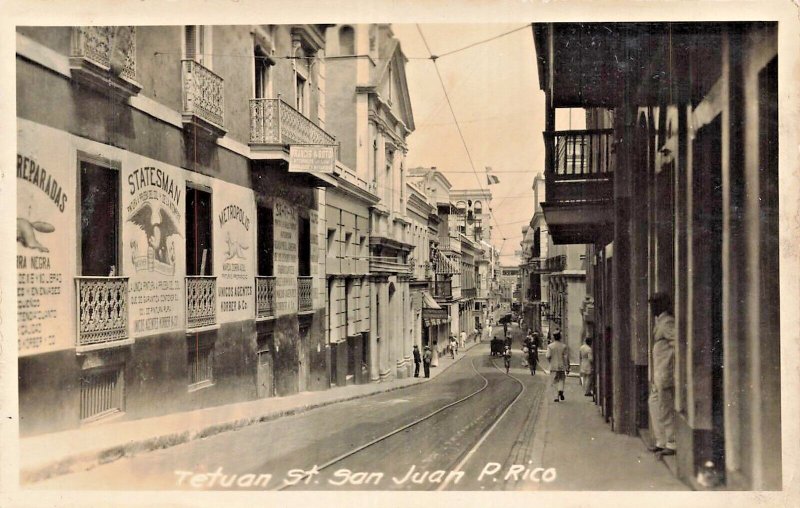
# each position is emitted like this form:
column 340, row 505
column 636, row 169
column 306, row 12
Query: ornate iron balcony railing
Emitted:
column 265, row 297
column 201, row 301
column 102, row 310
column 203, row 94
column 108, row 47
column 304, row 295
column 273, row 121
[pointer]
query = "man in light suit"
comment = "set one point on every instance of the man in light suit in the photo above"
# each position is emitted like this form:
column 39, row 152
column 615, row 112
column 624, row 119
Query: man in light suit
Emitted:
column 662, row 393
column 558, row 356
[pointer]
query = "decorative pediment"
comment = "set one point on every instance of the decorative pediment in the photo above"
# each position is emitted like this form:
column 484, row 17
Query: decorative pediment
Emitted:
column 392, row 85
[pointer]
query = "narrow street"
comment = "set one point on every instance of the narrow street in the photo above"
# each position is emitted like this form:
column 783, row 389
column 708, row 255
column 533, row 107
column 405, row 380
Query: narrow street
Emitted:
column 471, row 428
column 438, row 443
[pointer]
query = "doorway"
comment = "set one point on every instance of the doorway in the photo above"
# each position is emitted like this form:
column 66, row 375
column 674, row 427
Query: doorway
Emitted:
column 707, row 337
column 303, row 358
column 99, row 220
column 264, row 366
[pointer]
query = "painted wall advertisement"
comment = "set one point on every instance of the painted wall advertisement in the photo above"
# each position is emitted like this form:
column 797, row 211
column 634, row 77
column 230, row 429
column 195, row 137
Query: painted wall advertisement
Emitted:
column 45, row 240
column 152, row 248
column 285, row 258
column 234, row 251
column 153, row 206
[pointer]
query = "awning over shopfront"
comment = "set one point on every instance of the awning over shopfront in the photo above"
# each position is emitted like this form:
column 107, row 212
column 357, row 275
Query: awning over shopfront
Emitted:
column 434, row 317
column 428, row 302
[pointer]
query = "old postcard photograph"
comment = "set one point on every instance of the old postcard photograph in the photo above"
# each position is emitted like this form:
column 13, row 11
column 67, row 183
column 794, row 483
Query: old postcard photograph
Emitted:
column 275, row 252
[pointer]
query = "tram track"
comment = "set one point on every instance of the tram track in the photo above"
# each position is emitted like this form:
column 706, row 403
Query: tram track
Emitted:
column 384, row 437
column 485, row 435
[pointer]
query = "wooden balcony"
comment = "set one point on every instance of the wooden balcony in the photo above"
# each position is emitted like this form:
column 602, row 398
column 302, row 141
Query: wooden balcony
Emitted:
column 305, row 301
column 104, row 58
column 201, row 301
column 275, row 122
column 203, row 99
column 579, row 184
column 102, row 308
column 265, row 297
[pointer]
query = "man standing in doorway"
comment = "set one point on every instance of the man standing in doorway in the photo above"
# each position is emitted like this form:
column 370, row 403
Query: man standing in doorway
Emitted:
column 587, row 361
column 558, row 356
column 662, row 392
column 417, row 360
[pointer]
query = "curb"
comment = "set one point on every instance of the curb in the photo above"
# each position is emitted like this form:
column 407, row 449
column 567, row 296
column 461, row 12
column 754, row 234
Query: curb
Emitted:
column 86, row 461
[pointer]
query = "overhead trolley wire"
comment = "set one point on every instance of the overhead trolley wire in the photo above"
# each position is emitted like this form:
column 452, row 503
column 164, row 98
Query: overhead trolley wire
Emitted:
column 453, row 113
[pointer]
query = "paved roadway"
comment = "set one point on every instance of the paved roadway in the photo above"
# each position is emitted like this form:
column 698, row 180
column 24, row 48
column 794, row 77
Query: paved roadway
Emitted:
column 265, row 456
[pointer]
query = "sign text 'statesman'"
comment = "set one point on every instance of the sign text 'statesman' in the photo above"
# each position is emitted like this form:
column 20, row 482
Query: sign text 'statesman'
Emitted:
column 154, row 177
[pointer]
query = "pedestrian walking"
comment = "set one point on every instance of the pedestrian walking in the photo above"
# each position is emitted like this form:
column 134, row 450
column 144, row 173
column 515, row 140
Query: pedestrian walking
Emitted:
column 533, row 353
column 435, row 354
column 463, row 343
column 453, row 346
column 662, row 393
column 417, row 360
column 587, row 361
column 558, row 356
column 505, row 328
column 489, row 328
column 427, row 356
column 507, row 357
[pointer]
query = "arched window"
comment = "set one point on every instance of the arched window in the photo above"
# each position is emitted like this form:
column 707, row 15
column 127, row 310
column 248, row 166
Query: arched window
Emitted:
column 478, row 207
column 347, row 41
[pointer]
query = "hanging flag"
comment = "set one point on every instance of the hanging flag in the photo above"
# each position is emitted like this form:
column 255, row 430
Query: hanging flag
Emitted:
column 490, row 178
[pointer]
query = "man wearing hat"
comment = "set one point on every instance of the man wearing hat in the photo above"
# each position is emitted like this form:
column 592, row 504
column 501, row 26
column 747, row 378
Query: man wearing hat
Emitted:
column 426, row 361
column 417, row 361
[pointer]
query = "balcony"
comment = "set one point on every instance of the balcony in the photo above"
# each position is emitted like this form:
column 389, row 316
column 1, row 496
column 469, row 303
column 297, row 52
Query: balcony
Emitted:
column 104, row 57
column 203, row 99
column 469, row 292
column 275, row 122
column 102, row 307
column 384, row 264
column 304, row 294
column 201, row 301
column 443, row 289
column 265, row 297
column 547, row 265
column 579, row 187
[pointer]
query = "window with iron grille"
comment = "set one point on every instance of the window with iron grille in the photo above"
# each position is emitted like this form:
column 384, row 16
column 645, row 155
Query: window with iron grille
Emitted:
column 200, row 363
column 102, row 393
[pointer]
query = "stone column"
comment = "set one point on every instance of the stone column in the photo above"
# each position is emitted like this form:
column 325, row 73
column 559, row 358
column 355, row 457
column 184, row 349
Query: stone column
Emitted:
column 385, row 342
column 621, row 361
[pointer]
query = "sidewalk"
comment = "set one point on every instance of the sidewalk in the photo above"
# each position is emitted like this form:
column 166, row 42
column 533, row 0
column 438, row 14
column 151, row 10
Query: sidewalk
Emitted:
column 60, row 453
column 587, row 454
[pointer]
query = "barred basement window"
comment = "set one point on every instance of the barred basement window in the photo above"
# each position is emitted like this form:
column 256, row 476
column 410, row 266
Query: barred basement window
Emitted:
column 200, row 364
column 101, row 393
